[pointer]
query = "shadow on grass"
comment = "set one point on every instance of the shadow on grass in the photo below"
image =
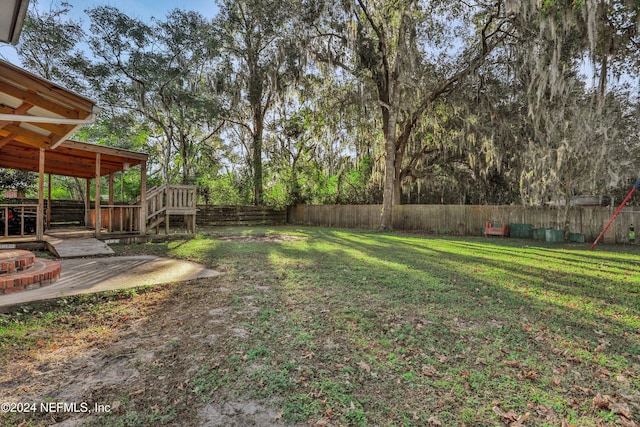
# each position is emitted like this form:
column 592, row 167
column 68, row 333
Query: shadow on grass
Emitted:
column 408, row 271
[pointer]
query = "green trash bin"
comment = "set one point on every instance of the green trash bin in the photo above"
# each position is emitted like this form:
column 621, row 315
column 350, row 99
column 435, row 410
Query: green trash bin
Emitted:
column 539, row 234
column 554, row 236
column 522, row 231
column 576, row 237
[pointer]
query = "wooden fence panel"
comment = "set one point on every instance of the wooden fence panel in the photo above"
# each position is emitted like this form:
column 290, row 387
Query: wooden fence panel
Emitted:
column 239, row 215
column 63, row 212
column 468, row 220
column 71, row 212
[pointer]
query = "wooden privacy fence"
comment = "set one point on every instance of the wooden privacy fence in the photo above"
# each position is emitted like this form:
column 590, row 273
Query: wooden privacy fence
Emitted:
column 71, row 212
column 467, row 220
column 240, row 215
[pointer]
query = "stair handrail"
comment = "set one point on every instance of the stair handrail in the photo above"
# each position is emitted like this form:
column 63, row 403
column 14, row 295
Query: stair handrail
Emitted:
column 151, row 192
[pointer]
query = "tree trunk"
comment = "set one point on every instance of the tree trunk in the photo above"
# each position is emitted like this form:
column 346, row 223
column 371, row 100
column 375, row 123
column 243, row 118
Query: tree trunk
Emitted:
column 389, row 184
column 185, row 162
column 388, row 198
column 166, row 161
column 567, row 216
column 257, row 159
column 397, row 184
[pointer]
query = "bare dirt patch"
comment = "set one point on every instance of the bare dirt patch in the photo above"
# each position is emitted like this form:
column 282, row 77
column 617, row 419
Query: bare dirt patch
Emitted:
column 151, row 361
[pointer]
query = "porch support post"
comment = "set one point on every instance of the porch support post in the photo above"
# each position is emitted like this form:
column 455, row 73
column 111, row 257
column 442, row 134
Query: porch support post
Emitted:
column 143, row 198
column 87, row 203
column 98, row 219
column 111, row 193
column 40, row 211
column 111, row 179
column 49, row 203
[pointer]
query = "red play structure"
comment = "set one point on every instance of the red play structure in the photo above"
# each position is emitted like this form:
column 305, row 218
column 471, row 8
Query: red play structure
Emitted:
column 624, row 202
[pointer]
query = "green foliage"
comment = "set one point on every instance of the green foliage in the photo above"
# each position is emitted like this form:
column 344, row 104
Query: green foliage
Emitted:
column 116, row 128
column 164, row 67
column 223, row 189
column 49, row 46
column 20, row 181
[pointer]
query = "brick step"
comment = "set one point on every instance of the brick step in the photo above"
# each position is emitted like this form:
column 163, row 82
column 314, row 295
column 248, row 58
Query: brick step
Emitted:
column 43, row 272
column 15, row 260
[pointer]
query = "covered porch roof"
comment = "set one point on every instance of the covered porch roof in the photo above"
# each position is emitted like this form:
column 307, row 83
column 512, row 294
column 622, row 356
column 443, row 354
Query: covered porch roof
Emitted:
column 37, row 112
column 71, row 158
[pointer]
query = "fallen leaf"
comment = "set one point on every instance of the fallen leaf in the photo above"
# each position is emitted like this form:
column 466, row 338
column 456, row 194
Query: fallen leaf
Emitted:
column 628, row 423
column 600, row 348
column 520, row 421
column 512, row 363
column 622, row 379
column 620, row 408
column 429, row 370
column 434, row 422
column 584, row 390
column 530, row 375
column 510, row 415
column 601, row 401
column 364, row 366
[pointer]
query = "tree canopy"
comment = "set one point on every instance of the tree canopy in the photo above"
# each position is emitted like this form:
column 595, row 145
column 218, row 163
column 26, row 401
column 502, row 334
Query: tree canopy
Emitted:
column 363, row 101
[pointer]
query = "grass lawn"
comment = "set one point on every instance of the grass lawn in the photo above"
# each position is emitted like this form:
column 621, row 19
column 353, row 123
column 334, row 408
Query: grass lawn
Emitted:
column 339, row 327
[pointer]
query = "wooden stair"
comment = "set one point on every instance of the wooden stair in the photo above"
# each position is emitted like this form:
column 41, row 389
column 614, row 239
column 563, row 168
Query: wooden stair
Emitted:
column 21, row 270
column 167, row 200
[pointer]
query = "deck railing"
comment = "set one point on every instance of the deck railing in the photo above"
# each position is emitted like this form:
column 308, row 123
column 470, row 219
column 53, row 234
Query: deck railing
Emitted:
column 181, row 199
column 160, row 203
column 19, row 210
column 171, row 200
column 118, row 218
